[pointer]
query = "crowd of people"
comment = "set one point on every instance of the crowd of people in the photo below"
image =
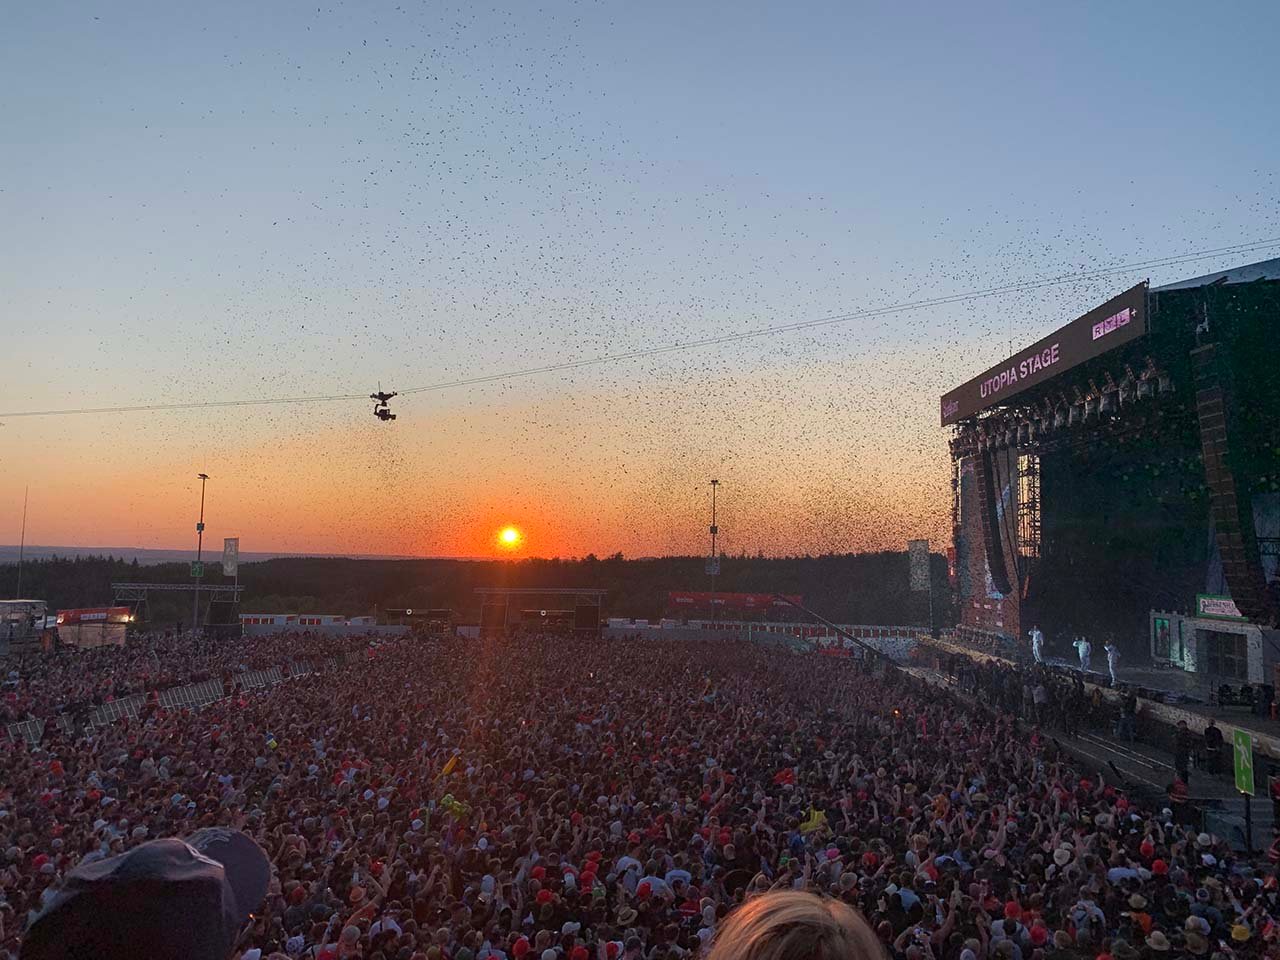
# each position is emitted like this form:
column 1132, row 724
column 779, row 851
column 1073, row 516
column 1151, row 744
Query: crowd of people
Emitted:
column 1059, row 700
column 552, row 798
column 1036, row 694
column 47, row 683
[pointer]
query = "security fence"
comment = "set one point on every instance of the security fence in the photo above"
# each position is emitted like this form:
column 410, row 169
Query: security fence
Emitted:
column 191, row 696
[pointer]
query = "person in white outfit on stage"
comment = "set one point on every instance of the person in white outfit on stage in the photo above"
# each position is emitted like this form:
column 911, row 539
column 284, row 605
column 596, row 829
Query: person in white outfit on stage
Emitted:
column 1037, row 643
column 1113, row 657
column 1085, row 649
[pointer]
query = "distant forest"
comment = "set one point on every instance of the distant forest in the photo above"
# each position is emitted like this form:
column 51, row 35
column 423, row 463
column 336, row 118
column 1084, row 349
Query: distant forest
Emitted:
column 848, row 588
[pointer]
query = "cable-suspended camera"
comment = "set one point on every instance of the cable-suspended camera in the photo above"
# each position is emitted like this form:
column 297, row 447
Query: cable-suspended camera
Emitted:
column 380, row 408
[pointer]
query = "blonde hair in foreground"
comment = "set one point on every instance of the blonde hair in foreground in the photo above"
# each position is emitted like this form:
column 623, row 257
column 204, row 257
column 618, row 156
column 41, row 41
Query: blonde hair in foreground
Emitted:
column 789, row 925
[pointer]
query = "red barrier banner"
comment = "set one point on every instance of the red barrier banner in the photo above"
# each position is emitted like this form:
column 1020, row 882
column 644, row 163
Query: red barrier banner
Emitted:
column 729, row 601
column 93, row 615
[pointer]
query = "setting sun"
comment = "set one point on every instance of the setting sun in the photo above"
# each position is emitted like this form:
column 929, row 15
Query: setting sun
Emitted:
column 510, row 537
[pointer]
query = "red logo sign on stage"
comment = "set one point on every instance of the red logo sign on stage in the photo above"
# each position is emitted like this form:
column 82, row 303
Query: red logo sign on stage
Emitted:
column 1112, row 323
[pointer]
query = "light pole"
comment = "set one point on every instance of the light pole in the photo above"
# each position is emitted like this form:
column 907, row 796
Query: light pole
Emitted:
column 713, row 565
column 22, row 544
column 199, row 565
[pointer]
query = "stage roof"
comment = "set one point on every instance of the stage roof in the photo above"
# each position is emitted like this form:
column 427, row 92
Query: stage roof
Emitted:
column 1262, row 270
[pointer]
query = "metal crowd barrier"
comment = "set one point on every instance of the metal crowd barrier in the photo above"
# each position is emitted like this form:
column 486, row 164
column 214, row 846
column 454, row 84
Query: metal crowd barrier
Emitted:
column 190, row 696
column 113, row 710
column 29, row 730
column 252, row 679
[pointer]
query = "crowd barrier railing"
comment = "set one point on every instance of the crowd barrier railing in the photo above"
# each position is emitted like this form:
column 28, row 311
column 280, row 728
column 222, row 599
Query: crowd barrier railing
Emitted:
column 30, row 731
column 187, row 697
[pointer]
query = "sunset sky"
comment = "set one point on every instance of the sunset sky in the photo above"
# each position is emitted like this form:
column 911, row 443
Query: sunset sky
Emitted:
column 246, row 200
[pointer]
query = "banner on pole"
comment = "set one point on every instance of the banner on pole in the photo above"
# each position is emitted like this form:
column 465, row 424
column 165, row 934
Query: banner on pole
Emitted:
column 230, row 556
column 918, row 552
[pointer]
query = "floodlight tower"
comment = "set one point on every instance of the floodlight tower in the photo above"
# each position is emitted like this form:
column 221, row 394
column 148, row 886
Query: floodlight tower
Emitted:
column 713, row 563
column 198, row 567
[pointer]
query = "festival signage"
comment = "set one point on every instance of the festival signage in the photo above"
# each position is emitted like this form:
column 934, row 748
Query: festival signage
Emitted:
column 230, row 556
column 93, row 615
column 1213, row 606
column 1121, row 319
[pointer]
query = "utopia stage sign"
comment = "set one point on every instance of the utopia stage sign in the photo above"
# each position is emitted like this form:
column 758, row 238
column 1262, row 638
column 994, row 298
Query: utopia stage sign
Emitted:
column 1119, row 320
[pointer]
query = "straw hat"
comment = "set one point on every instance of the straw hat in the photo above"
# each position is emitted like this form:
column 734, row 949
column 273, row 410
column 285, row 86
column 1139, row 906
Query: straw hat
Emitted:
column 1195, row 943
column 1158, row 941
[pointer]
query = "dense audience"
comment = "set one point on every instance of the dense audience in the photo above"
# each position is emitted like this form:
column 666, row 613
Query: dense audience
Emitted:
column 46, row 683
column 1058, row 700
column 561, row 799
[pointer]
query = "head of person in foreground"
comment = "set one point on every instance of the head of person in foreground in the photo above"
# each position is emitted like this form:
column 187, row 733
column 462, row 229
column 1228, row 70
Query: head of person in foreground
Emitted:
column 789, row 925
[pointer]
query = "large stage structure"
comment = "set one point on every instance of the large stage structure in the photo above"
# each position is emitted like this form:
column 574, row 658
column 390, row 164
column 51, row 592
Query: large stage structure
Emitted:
column 1127, row 465
column 576, row 608
column 221, row 604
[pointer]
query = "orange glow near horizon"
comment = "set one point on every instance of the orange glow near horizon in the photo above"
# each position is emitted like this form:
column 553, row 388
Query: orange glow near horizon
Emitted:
column 447, row 486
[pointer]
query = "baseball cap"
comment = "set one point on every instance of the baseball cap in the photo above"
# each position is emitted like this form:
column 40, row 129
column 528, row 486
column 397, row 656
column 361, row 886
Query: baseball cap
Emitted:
column 169, row 898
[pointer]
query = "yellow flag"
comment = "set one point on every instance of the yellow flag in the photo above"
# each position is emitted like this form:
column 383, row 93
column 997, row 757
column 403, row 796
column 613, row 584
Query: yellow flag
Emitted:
column 816, row 820
column 451, row 765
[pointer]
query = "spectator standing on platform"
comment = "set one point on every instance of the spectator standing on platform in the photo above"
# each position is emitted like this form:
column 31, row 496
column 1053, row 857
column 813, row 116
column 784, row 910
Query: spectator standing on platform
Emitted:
column 1076, row 706
column 1213, row 747
column 1037, row 643
column 1182, row 751
column 1128, row 726
column 1085, row 649
column 1040, row 697
column 1113, row 657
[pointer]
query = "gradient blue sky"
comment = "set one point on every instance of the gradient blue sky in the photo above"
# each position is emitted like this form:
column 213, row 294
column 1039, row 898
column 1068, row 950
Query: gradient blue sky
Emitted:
column 239, row 200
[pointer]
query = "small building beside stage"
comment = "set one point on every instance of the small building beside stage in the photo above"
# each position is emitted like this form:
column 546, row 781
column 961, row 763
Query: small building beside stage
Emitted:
column 93, row 626
column 1217, row 643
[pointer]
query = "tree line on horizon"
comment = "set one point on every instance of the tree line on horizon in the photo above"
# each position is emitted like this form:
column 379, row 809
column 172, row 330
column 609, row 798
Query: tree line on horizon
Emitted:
column 868, row 588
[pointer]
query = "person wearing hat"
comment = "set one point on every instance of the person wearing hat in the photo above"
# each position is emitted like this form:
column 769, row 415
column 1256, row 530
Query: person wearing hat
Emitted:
column 166, row 899
column 1138, row 915
column 1195, row 943
column 1158, row 942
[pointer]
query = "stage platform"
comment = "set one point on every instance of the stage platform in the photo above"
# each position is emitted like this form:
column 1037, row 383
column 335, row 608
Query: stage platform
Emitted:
column 1165, row 695
column 1147, row 770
